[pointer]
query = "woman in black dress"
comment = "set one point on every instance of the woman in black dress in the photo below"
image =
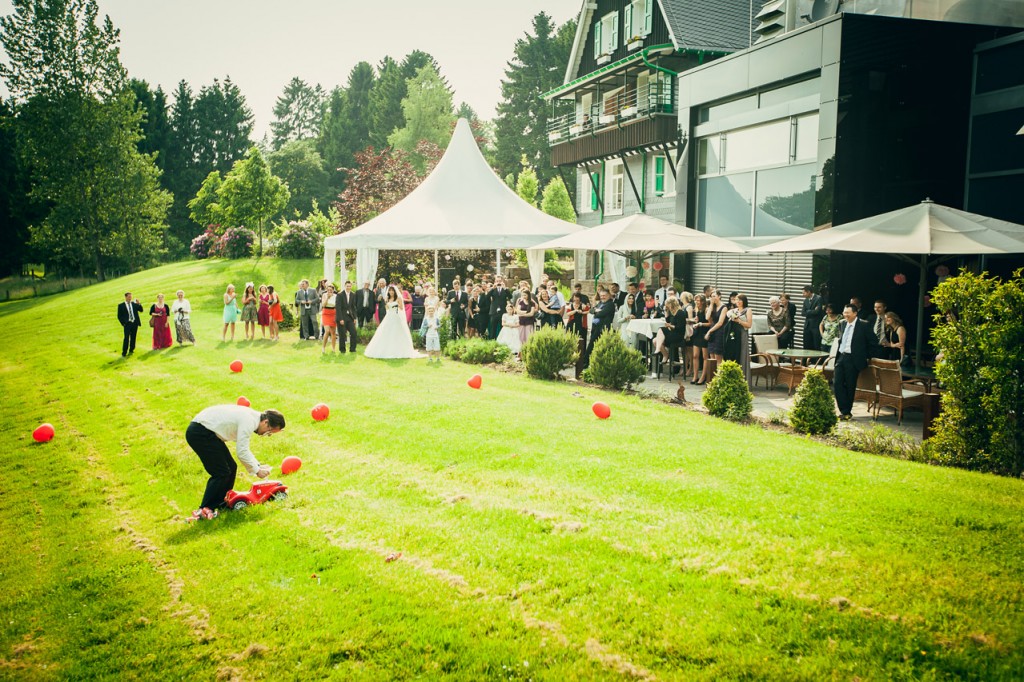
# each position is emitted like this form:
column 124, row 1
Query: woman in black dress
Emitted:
column 716, row 332
column 697, row 318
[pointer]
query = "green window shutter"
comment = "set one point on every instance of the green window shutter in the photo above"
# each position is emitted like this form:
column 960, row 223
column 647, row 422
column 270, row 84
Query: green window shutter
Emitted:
column 615, row 32
column 648, row 15
column 627, row 20
column 597, row 39
column 595, row 181
column 659, row 176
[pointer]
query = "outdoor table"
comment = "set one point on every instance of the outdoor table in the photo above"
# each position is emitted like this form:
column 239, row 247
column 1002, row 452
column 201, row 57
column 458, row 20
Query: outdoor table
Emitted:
column 649, row 329
column 795, row 371
column 927, row 377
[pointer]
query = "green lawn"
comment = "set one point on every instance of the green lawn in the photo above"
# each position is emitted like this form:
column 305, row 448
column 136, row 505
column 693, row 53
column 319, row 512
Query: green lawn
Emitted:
column 536, row 541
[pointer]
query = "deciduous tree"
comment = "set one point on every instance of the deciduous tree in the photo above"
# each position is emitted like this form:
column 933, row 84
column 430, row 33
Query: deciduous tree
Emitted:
column 428, row 115
column 302, row 168
column 251, row 195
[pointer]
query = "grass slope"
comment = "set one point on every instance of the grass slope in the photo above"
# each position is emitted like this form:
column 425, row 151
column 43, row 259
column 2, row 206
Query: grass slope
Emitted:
column 536, row 541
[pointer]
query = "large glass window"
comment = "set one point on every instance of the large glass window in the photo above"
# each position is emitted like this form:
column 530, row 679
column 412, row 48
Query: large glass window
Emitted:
column 709, row 157
column 788, row 93
column 763, row 145
column 724, row 204
column 785, row 201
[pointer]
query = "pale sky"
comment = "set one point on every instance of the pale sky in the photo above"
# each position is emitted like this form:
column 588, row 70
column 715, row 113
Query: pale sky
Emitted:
column 262, row 44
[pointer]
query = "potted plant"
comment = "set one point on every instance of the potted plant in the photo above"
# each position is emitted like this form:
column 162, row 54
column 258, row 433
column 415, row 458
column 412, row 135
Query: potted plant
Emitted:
column 634, row 42
column 603, row 58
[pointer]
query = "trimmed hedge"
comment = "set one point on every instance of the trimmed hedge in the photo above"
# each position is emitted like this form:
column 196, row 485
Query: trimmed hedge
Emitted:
column 728, row 395
column 548, row 351
column 613, row 364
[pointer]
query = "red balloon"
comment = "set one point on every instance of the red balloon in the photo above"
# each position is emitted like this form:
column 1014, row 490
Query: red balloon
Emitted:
column 236, row 366
column 475, row 381
column 290, row 465
column 243, row 401
column 602, row 410
column 658, row 265
column 320, row 412
column 43, row 434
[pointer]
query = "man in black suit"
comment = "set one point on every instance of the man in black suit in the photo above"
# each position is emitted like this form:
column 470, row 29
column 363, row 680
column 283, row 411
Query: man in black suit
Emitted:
column 500, row 296
column 458, row 301
column 129, row 315
column 618, row 296
column 814, row 310
column 366, row 303
column 485, row 308
column 856, row 346
column 877, row 321
column 345, row 317
column 603, row 312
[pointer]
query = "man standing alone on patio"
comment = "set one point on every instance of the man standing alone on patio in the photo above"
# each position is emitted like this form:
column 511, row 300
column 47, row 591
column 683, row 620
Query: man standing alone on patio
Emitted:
column 856, row 345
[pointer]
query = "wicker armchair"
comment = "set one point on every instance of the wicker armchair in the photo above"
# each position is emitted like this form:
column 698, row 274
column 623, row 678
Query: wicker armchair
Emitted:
column 894, row 392
column 867, row 385
column 793, row 373
column 763, row 365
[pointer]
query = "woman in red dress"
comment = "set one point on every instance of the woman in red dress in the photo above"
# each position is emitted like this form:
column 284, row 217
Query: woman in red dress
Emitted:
column 263, row 313
column 160, row 312
column 276, row 316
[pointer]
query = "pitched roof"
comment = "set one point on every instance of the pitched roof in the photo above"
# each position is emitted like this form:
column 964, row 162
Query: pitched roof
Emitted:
column 710, row 24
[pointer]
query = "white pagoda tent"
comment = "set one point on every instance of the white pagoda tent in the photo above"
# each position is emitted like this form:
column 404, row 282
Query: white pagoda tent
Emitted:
column 462, row 204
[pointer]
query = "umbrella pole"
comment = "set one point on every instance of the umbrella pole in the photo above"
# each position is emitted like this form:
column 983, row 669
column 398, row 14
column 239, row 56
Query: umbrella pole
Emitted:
column 922, row 283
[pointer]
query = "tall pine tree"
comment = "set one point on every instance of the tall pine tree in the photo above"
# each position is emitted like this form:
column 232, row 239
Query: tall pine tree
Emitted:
column 386, row 102
column 298, row 113
column 224, row 126
column 538, row 66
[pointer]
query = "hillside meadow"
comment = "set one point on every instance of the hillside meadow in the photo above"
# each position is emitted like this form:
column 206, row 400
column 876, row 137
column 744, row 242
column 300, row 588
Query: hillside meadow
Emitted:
column 439, row 532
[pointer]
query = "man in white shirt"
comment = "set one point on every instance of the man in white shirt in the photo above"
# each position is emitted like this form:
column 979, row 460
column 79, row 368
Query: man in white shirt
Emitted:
column 661, row 295
column 207, row 435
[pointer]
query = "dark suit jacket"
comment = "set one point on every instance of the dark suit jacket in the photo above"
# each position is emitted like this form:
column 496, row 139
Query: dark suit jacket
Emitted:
column 371, row 299
column 863, row 345
column 346, row 310
column 604, row 313
column 619, row 299
column 122, row 313
column 456, row 301
column 498, row 301
column 637, row 310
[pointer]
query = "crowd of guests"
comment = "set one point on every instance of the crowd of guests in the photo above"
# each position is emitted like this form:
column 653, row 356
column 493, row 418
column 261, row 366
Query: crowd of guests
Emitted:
column 696, row 328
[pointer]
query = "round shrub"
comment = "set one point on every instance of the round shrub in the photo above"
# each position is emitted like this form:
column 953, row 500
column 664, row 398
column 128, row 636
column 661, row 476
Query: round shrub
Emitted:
column 613, row 364
column 727, row 395
column 299, row 241
column 237, row 242
column 206, row 244
column 477, row 351
column 814, row 409
column 548, row 351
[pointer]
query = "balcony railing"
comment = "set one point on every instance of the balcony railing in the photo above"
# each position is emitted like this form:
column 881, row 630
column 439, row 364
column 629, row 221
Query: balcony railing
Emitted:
column 612, row 112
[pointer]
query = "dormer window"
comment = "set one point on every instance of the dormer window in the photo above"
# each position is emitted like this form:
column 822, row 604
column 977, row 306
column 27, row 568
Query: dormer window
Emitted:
column 606, row 37
column 637, row 22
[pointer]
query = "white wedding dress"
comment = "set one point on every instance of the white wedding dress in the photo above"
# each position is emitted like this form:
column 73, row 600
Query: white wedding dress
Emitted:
column 392, row 339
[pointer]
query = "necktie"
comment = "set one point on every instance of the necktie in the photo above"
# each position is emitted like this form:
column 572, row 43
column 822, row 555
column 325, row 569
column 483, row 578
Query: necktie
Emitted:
column 131, row 312
column 878, row 327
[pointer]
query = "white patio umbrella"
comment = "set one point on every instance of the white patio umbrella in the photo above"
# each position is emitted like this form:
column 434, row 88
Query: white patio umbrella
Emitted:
column 926, row 229
column 640, row 236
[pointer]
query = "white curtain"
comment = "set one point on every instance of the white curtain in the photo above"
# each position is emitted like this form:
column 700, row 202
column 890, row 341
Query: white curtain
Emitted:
column 343, row 268
column 614, row 268
column 535, row 261
column 329, row 263
column 366, row 266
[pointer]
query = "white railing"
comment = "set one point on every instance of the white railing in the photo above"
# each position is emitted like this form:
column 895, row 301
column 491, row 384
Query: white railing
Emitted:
column 638, row 102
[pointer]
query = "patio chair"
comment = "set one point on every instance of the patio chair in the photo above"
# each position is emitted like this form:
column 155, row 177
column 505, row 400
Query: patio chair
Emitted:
column 765, row 342
column 763, row 365
column 894, row 392
column 867, row 384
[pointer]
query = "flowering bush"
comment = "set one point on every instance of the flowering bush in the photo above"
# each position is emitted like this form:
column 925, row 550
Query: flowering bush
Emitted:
column 237, row 242
column 206, row 245
column 299, row 241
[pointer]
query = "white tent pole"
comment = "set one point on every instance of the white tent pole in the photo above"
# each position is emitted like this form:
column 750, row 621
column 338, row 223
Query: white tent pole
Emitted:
column 498, row 268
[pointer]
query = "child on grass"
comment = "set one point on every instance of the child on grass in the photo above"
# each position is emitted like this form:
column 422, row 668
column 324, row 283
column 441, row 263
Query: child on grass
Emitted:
column 430, row 332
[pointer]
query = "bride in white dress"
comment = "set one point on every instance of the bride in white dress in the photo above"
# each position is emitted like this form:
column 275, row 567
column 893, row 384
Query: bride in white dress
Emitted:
column 392, row 338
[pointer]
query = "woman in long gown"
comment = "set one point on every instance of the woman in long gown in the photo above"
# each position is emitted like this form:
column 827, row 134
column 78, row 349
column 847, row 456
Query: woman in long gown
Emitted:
column 161, row 313
column 392, row 339
column 263, row 311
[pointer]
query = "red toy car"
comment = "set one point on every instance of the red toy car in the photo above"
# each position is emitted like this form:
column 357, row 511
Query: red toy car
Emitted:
column 257, row 494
